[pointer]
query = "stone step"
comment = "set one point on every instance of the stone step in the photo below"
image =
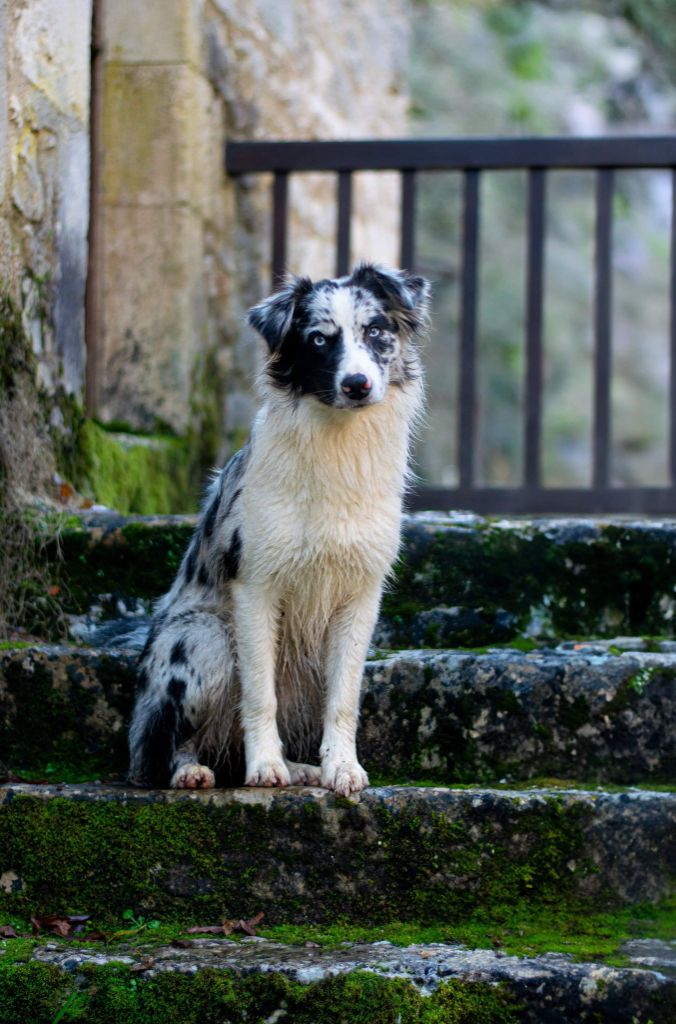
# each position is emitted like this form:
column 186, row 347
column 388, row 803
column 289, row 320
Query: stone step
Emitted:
column 462, row 580
column 218, row 980
column 304, row 855
column 577, row 712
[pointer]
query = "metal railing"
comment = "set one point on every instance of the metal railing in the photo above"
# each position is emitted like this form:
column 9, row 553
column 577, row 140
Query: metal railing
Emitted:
column 471, row 156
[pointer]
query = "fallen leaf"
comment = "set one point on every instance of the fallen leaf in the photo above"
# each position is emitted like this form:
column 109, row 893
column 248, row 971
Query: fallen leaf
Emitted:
column 7, row 932
column 59, row 924
column 144, row 964
column 228, row 926
column 425, row 954
column 182, row 943
column 249, row 927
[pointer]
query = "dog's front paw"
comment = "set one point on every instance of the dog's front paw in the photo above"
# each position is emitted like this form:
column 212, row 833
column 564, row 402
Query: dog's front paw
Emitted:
column 344, row 777
column 304, row 774
column 193, row 776
column 268, row 773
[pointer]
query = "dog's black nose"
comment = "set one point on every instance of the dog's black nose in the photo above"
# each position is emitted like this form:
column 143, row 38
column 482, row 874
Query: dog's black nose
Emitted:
column 356, row 385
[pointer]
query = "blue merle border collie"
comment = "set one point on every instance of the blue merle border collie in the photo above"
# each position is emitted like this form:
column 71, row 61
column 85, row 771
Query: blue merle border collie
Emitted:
column 255, row 656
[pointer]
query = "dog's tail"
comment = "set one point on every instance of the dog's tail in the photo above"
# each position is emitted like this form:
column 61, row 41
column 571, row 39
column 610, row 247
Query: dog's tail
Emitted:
column 130, row 633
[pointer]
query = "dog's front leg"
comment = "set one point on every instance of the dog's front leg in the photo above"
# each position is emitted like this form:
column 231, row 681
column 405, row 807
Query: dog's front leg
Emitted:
column 349, row 635
column 256, row 620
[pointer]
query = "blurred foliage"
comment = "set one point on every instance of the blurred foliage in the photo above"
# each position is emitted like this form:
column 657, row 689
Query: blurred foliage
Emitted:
column 551, row 68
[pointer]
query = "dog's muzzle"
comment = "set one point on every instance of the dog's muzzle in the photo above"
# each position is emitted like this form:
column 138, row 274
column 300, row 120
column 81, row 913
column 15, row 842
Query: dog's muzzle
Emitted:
column 356, row 386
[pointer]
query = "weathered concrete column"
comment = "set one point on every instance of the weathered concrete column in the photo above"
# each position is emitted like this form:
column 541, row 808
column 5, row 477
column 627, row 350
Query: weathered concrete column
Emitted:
column 155, row 110
column 184, row 249
column 44, row 178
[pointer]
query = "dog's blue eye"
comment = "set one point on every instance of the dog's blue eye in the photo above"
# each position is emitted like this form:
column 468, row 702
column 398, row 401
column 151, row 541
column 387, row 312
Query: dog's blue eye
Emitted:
column 318, row 339
column 374, row 332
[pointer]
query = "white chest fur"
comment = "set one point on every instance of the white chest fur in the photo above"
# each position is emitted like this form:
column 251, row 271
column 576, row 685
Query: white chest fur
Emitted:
column 323, row 489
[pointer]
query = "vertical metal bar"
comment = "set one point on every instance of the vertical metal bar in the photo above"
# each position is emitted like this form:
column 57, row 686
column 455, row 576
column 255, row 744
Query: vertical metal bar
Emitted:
column 343, row 225
column 534, row 307
column 407, row 250
column 603, row 326
column 280, row 204
column 468, row 322
column 93, row 304
column 672, row 332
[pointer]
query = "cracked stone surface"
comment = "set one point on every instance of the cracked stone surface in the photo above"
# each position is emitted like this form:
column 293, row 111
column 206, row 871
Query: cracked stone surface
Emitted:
column 576, row 711
column 583, row 991
column 307, row 854
column 462, row 579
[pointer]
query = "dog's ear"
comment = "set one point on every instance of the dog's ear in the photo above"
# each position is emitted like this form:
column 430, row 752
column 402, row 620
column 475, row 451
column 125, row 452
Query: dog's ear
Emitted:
column 272, row 317
column 404, row 293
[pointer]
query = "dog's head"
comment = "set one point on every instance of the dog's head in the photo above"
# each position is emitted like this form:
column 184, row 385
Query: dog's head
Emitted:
column 344, row 341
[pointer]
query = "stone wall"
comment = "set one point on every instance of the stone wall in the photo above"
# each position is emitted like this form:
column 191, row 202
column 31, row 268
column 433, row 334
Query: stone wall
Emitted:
column 44, row 178
column 184, row 251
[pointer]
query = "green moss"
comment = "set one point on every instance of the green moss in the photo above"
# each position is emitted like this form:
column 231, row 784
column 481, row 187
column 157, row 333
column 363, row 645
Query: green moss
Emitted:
column 512, row 581
column 16, row 355
column 31, row 992
column 57, row 734
column 146, row 475
column 518, row 930
column 193, row 858
column 138, row 560
column 41, row 994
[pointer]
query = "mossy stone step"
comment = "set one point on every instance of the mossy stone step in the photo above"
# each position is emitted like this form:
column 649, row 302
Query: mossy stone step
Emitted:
column 255, row 980
column 304, row 855
column 462, row 579
column 581, row 713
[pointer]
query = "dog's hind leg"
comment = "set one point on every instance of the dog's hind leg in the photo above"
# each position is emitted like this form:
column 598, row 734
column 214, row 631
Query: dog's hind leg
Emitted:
column 186, row 704
column 188, row 773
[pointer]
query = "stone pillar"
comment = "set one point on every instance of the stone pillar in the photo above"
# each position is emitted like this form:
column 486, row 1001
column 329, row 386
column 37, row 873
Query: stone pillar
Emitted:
column 44, row 178
column 153, row 127
column 184, row 250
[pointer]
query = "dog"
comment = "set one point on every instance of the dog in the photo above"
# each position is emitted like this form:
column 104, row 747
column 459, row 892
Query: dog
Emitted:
column 258, row 649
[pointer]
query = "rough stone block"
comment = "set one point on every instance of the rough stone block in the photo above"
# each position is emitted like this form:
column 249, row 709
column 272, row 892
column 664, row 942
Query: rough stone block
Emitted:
column 379, row 982
column 148, row 349
column 468, row 581
column 154, row 31
column 450, row 716
column 155, row 135
column 304, row 855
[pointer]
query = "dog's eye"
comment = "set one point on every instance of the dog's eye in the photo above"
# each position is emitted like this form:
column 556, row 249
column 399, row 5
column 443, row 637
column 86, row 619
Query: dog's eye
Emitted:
column 374, row 332
column 318, row 339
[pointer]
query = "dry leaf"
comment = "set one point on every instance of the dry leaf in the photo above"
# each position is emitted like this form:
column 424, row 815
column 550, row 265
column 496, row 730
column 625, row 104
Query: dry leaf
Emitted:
column 144, row 964
column 249, row 927
column 182, row 943
column 59, row 924
column 228, row 926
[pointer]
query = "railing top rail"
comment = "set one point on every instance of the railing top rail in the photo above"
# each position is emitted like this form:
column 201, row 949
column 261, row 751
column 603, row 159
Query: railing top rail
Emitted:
column 635, row 151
